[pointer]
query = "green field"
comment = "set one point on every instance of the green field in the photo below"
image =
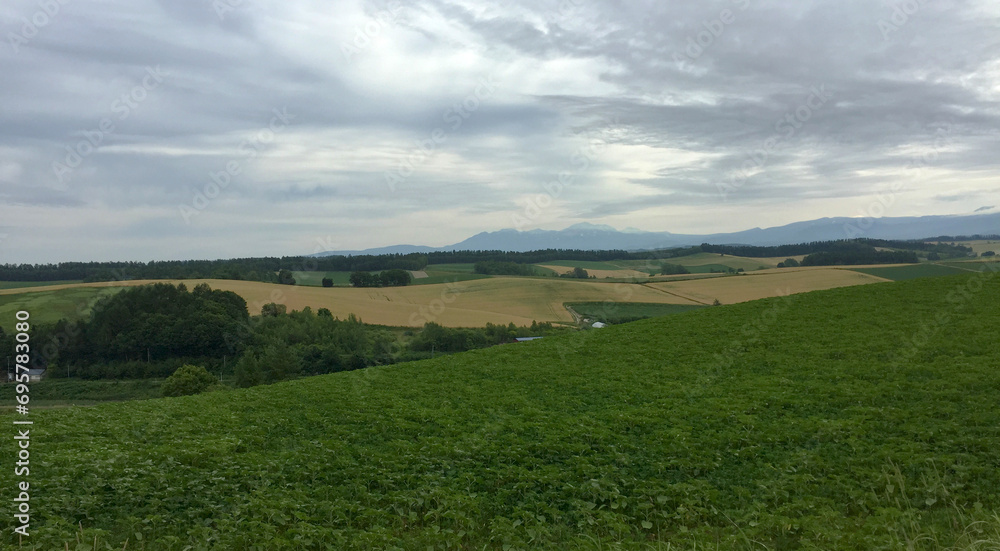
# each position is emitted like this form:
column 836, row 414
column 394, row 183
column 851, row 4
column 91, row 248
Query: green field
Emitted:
column 51, row 306
column 434, row 275
column 586, row 265
column 315, row 279
column 902, row 273
column 856, row 418
column 461, row 268
column 622, row 312
column 26, row 284
column 64, row 392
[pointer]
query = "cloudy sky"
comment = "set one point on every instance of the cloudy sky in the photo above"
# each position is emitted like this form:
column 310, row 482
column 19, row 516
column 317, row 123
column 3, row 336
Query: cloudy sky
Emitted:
column 174, row 129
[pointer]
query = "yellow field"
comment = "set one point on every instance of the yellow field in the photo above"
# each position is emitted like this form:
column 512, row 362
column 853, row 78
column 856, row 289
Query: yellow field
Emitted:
column 770, row 283
column 463, row 304
column 504, row 300
column 980, row 247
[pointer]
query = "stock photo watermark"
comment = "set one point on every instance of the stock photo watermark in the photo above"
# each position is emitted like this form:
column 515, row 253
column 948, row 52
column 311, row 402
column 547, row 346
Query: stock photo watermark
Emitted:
column 883, row 202
column 713, row 29
column 94, row 138
column 580, row 161
column 365, row 35
column 785, row 129
column 902, row 14
column 250, row 149
column 454, row 117
column 44, row 16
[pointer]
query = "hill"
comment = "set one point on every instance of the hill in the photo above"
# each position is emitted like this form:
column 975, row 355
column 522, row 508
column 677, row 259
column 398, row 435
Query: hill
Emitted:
column 471, row 303
column 587, row 236
column 855, row 418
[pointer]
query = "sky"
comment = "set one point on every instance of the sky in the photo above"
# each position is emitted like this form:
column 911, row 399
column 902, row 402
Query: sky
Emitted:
column 180, row 129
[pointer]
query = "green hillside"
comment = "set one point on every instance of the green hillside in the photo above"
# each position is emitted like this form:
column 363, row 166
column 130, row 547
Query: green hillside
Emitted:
column 857, row 418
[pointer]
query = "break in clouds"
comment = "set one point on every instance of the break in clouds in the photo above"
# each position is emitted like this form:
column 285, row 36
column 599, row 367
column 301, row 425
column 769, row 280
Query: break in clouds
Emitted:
column 222, row 128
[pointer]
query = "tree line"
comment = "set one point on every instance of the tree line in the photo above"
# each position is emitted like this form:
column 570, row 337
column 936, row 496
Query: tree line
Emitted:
column 838, row 246
column 274, row 269
column 151, row 331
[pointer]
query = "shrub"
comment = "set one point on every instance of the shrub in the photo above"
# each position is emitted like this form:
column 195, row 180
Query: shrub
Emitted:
column 189, row 379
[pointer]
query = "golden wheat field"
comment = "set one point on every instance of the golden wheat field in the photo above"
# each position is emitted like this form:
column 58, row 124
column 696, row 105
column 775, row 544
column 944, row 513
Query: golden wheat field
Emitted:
column 463, row 304
column 769, row 283
column 507, row 299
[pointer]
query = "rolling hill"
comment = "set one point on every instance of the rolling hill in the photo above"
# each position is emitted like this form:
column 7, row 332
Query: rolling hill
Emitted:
column 855, row 418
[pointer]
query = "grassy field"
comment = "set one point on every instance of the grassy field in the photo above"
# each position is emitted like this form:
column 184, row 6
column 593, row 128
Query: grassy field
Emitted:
column 463, row 304
column 460, row 268
column 622, row 312
column 474, row 302
column 68, row 392
column 599, row 274
column 49, row 305
column 24, row 284
column 434, row 276
column 437, row 277
column 786, row 281
column 701, row 263
column 913, row 271
column 315, row 279
column 828, row 420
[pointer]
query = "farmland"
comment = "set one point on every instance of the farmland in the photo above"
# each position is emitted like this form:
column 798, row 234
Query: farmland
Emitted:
column 469, row 303
column 827, row 420
column 900, row 273
column 52, row 303
column 786, row 281
column 474, row 302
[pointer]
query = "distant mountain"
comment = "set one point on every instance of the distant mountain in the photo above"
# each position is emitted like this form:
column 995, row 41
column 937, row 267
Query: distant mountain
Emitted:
column 602, row 237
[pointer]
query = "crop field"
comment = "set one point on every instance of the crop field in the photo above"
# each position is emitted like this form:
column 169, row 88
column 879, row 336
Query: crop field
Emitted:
column 982, row 245
column 830, row 420
column 733, row 289
column 463, row 304
column 24, row 284
column 460, row 268
column 49, row 304
column 457, row 299
column 912, row 271
column 315, row 279
column 617, row 273
column 431, row 276
column 437, row 277
column 68, row 392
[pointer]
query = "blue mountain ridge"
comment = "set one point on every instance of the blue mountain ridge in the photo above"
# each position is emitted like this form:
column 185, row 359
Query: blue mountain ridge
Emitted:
column 602, row 237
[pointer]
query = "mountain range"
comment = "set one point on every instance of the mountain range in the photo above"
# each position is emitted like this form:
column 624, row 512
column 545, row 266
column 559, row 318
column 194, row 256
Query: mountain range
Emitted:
column 587, row 236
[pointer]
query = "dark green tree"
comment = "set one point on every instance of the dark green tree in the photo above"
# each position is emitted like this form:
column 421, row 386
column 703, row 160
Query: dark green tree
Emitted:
column 285, row 277
column 272, row 310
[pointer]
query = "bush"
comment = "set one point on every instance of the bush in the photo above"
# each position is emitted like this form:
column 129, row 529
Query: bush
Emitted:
column 189, row 379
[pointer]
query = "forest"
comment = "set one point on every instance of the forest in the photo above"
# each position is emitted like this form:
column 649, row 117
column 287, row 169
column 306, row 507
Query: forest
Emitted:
column 277, row 270
column 150, row 331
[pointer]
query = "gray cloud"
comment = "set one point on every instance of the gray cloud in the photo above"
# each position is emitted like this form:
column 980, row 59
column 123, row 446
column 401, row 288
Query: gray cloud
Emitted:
column 657, row 114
